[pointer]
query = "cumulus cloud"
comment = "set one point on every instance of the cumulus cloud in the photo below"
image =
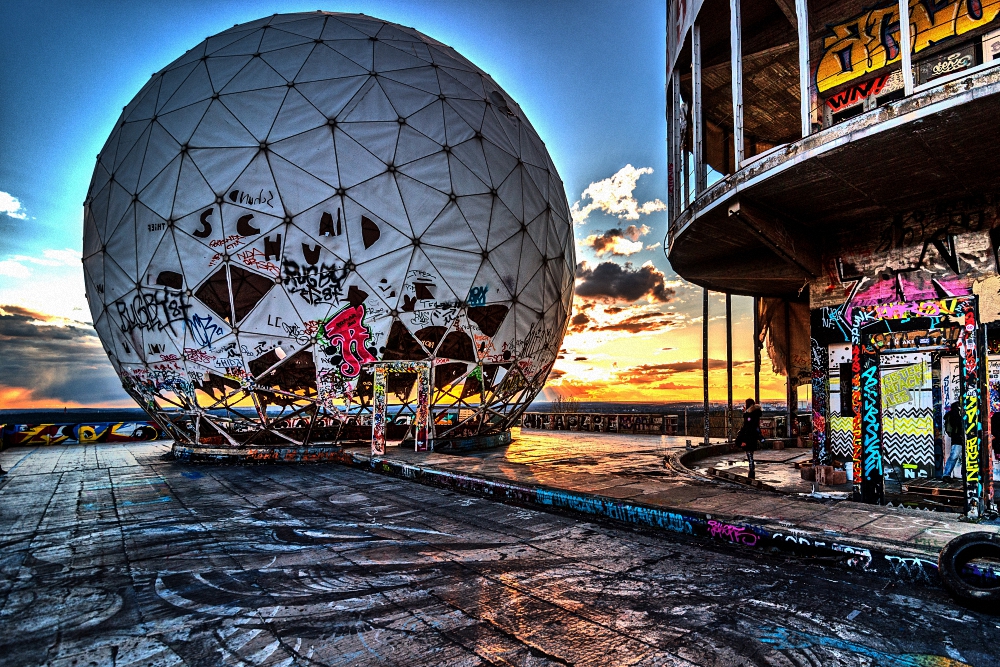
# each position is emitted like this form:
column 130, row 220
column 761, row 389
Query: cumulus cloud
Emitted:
column 613, row 282
column 19, row 266
column 613, row 195
column 617, row 241
column 11, row 206
column 52, row 360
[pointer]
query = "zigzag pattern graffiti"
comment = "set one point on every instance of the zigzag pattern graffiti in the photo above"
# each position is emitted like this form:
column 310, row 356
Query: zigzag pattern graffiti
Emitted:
column 841, row 435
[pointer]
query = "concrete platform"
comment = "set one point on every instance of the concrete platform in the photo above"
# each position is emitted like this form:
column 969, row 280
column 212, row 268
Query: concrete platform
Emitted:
column 630, row 478
column 120, row 555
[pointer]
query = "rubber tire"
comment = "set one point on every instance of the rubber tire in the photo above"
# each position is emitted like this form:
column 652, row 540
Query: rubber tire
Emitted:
column 956, row 554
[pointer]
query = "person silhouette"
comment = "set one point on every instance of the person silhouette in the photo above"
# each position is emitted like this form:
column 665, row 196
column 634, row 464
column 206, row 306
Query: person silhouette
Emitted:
column 749, row 436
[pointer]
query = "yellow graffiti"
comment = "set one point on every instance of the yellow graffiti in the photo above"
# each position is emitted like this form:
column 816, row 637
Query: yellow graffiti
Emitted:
column 971, row 441
column 896, row 385
column 870, row 41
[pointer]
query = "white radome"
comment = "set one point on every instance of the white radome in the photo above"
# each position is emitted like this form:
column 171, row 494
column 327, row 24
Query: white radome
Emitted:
column 299, row 199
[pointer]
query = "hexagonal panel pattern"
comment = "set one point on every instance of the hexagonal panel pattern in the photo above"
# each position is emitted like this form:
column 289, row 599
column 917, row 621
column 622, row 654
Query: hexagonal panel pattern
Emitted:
column 302, row 197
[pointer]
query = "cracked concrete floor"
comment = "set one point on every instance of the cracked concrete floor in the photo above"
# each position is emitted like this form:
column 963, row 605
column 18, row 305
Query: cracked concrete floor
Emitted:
column 113, row 555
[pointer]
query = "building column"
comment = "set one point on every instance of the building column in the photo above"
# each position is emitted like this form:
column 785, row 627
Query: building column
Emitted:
column 704, row 356
column 905, row 46
column 805, row 72
column 697, row 122
column 756, row 349
column 729, row 366
column 736, row 51
column 791, row 404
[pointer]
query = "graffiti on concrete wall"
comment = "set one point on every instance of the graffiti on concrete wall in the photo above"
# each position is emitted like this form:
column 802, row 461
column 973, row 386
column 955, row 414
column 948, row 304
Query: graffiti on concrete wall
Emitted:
column 820, row 361
column 971, row 365
column 915, row 257
column 422, row 419
column 15, row 435
column 870, row 40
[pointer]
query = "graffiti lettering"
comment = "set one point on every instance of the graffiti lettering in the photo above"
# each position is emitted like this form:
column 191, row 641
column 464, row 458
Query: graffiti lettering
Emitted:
column 256, row 259
column 315, row 284
column 348, row 330
column 204, row 330
column 477, row 295
column 247, row 199
column 152, row 310
column 735, row 534
column 870, row 40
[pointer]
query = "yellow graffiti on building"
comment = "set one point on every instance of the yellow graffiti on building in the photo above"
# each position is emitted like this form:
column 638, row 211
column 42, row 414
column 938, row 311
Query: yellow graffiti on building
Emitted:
column 870, row 40
column 896, row 385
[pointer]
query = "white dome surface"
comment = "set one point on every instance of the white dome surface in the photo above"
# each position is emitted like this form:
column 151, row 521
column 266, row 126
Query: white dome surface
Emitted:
column 302, row 197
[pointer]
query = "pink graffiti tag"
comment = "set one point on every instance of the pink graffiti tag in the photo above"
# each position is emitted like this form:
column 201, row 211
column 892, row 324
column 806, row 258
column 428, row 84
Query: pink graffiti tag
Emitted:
column 736, row 534
column 347, row 329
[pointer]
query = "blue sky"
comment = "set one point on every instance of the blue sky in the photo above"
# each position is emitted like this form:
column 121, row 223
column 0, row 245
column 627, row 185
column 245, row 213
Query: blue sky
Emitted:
column 589, row 75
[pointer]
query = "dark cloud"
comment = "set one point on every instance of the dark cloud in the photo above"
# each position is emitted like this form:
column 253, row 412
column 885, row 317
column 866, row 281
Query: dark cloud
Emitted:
column 654, row 372
column 580, row 359
column 614, row 282
column 607, row 242
column 62, row 363
column 578, row 322
column 653, row 321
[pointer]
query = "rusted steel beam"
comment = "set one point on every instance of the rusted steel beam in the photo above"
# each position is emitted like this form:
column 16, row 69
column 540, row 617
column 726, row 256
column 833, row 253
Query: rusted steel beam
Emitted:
column 783, row 239
column 790, row 9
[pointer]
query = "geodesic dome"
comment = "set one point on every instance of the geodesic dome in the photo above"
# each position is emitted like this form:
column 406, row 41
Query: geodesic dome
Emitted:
column 311, row 211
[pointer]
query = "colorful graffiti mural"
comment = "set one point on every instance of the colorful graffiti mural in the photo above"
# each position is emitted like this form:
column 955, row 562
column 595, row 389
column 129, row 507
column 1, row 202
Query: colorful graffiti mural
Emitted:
column 870, row 40
column 420, row 426
column 22, row 435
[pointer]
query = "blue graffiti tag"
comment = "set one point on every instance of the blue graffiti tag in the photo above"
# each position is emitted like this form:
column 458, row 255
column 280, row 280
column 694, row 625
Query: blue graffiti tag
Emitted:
column 784, row 639
column 477, row 295
column 204, row 330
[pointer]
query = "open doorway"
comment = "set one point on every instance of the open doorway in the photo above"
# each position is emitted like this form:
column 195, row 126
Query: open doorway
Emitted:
column 407, row 416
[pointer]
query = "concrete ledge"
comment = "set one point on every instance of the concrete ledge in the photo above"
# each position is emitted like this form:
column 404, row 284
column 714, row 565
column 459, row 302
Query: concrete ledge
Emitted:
column 474, row 443
column 291, row 454
column 897, row 562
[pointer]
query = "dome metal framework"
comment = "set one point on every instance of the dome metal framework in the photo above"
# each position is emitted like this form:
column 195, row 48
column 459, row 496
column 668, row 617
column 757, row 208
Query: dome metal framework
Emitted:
column 308, row 213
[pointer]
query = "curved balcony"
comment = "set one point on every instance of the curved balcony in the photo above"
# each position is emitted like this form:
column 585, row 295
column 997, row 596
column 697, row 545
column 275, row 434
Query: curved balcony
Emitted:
column 766, row 229
column 894, row 125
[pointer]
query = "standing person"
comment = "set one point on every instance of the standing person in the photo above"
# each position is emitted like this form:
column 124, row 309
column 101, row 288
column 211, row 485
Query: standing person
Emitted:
column 749, row 436
column 956, row 431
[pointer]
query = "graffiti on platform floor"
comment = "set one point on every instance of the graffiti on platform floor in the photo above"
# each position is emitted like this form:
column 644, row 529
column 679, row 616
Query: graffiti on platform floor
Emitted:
column 76, row 434
column 784, row 639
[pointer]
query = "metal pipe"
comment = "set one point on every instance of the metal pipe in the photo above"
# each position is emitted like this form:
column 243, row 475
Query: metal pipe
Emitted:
column 802, row 22
column 905, row 46
column 736, row 60
column 704, row 356
column 729, row 366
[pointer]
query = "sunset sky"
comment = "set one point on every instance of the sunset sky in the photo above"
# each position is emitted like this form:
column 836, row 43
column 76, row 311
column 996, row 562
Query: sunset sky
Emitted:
column 589, row 75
